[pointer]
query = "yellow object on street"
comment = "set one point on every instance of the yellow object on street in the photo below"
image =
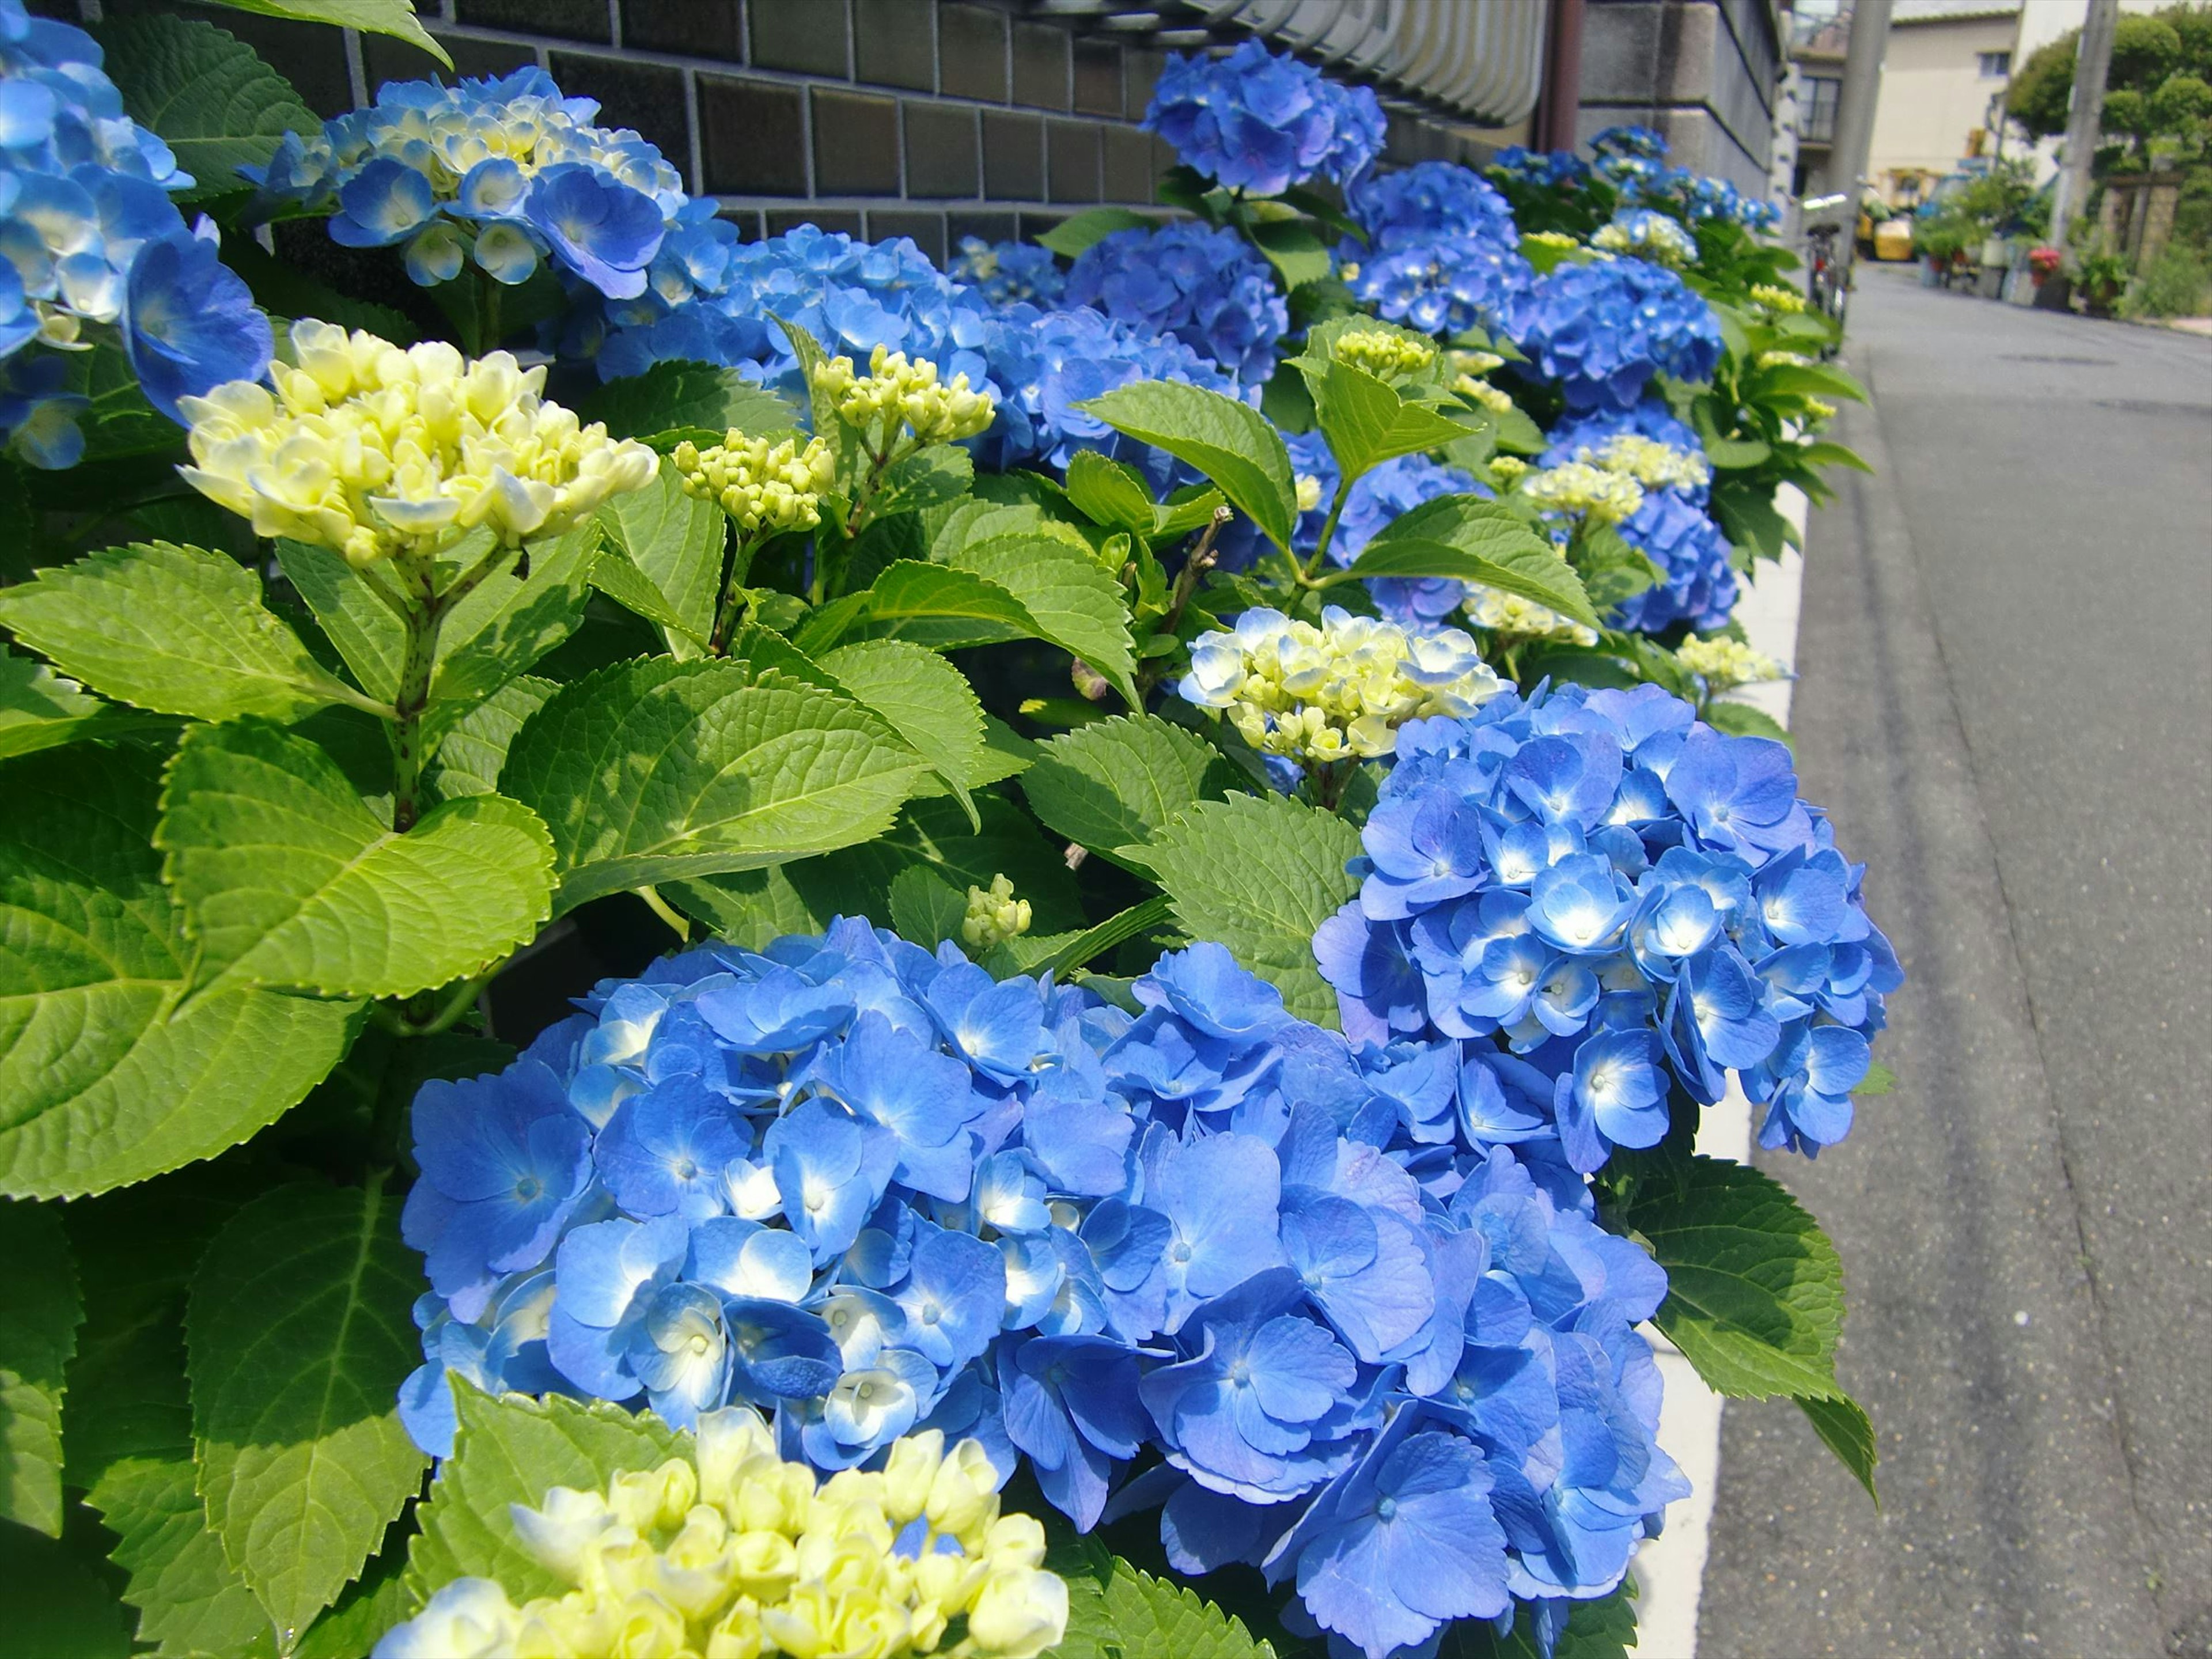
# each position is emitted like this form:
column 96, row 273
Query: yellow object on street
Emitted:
column 1892, row 239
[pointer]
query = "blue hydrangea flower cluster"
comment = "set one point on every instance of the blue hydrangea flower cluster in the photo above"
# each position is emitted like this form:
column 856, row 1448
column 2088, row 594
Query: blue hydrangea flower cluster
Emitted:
column 1206, row 288
column 1617, row 900
column 1260, row 123
column 504, row 172
column 1358, row 1325
column 1427, row 200
column 1557, row 169
column 91, row 238
column 1442, row 284
column 1639, row 143
column 1672, row 527
column 1602, row 329
column 1005, row 272
column 1392, row 489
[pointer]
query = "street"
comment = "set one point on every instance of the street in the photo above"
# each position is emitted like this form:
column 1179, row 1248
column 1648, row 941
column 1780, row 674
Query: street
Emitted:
column 2006, row 700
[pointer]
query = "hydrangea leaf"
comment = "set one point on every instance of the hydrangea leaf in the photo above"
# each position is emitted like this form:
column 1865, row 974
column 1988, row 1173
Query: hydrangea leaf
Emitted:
column 392, row 18
column 1231, row 442
column 470, row 759
column 1539, row 575
column 1080, row 231
column 212, row 101
column 107, row 1073
column 189, row 1600
column 677, row 542
column 1116, row 783
column 1754, row 1289
column 935, row 476
column 1109, row 492
column 288, row 880
column 298, row 1335
column 41, row 709
column 1077, row 604
column 512, row 1448
column 41, row 1309
column 55, row 1602
column 1298, row 254
column 368, row 1607
column 1742, row 719
column 1260, row 874
column 932, row 605
column 614, row 576
column 1604, row 1628
column 1367, row 422
column 1845, row 1429
column 925, row 906
column 657, row 770
column 927, row 701
column 177, row 630
column 1115, row 1611
column 678, row 395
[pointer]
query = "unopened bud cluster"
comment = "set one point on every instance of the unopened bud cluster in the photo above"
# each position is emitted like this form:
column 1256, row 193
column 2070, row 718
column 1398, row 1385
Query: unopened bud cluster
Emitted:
column 1595, row 495
column 762, row 486
column 1646, row 234
column 895, row 393
column 1653, row 465
column 1336, row 691
column 995, row 915
column 371, row 451
column 1786, row 300
column 742, row 1556
column 1783, row 360
column 1382, row 353
column 1509, row 613
column 1722, row 663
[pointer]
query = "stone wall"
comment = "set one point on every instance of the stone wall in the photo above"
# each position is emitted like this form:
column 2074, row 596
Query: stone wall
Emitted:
column 1703, row 72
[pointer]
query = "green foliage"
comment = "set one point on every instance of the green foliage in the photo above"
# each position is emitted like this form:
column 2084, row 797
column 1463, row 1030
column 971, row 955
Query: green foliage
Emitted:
column 1072, row 603
column 392, row 18
column 1231, row 442
column 677, row 398
column 211, row 99
column 299, row 1335
column 2175, row 284
column 40, row 709
column 1114, row 785
column 1259, row 873
column 189, row 1600
column 1743, row 720
column 1474, row 541
column 1080, row 231
column 1115, row 1611
column 676, row 543
column 55, row 1603
column 925, row 699
column 39, row 1312
column 1368, row 423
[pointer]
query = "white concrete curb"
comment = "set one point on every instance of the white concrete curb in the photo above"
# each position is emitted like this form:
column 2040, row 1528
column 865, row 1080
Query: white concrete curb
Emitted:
column 1670, row 1568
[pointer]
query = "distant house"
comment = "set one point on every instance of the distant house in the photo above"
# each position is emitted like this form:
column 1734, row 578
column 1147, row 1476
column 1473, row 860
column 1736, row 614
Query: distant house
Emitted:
column 1943, row 87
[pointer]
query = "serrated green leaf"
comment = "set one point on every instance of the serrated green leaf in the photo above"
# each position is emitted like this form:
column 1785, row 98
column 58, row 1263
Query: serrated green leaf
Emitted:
column 925, row 908
column 106, row 1074
column 392, row 18
column 213, row 101
column 1110, row 492
column 1537, row 573
column 366, row 1610
column 1117, row 1612
column 932, row 605
column 1812, row 380
column 1878, row 1080
column 657, row 770
column 677, row 394
column 1075, row 604
column 40, row 1308
column 55, row 1601
column 1260, row 874
column 935, row 476
column 1117, row 783
column 1826, row 452
column 679, row 543
column 1231, row 442
column 1845, row 1429
column 1755, row 1290
column 1367, row 422
column 614, row 576
column 290, row 882
column 1081, row 231
column 175, row 629
column 41, row 709
column 1298, row 254
column 1150, row 914
column 189, row 1600
column 470, row 759
column 927, row 701
column 1604, row 1628
column 514, row 1449
column 298, row 1335
column 1737, row 453
column 1742, row 720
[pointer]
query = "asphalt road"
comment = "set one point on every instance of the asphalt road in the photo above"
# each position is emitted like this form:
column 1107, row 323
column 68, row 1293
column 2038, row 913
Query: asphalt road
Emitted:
column 2006, row 700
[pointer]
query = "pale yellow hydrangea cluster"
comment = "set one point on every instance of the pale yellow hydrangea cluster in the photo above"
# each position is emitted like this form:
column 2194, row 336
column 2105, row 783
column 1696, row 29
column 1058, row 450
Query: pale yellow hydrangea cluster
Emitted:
column 371, row 450
column 1723, row 663
column 1557, row 238
column 1385, row 356
column 995, row 915
column 1662, row 242
column 1653, row 465
column 1782, row 359
column 1596, row 494
column 1786, row 300
column 762, row 486
column 1509, row 613
column 1468, row 369
column 1307, row 487
column 895, row 393
column 1820, row 409
column 743, row 1556
column 1335, row 691
column 1508, row 470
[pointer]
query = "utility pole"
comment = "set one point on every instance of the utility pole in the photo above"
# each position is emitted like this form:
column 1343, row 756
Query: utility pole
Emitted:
column 1855, row 102
column 2092, row 61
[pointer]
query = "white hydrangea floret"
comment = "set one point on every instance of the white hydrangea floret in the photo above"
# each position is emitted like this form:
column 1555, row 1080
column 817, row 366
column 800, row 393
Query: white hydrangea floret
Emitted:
column 1580, row 489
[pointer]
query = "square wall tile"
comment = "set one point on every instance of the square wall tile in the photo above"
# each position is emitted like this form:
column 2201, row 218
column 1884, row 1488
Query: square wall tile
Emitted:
column 855, row 144
column 1014, row 157
column 941, row 150
column 569, row 20
column 752, row 138
column 927, row 229
column 896, row 44
column 971, row 52
column 808, row 36
column 1040, row 65
column 1072, row 163
column 697, row 28
column 780, row 221
column 1098, row 77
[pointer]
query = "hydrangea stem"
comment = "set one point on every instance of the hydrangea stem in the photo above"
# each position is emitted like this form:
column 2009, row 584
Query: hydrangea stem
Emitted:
column 733, row 589
column 1327, row 533
column 424, row 615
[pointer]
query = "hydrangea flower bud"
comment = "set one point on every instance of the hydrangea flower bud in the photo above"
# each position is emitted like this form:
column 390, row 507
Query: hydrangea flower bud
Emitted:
column 1509, row 613
column 764, row 487
column 1645, row 233
column 1786, row 300
column 995, row 915
column 1582, row 491
column 1723, row 663
column 1386, row 356
column 1653, row 465
column 895, row 393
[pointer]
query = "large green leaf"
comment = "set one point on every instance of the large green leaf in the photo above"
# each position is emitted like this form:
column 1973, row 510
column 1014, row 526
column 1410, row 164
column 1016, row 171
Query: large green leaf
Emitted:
column 1112, row 494
column 190, row 1601
column 299, row 1335
column 1115, row 1611
column 55, row 1602
column 41, row 709
column 927, row 701
column 470, row 759
column 679, row 397
column 1259, row 874
column 107, row 1074
column 288, row 881
column 40, row 1308
column 932, row 605
column 1231, row 442
column 1080, row 231
column 513, row 1449
column 393, row 17
column 1298, row 254
column 677, row 542
column 204, row 91
column 1367, row 422
column 655, row 770
column 1116, row 783
column 175, row 629
column 1537, row 574
column 1077, row 604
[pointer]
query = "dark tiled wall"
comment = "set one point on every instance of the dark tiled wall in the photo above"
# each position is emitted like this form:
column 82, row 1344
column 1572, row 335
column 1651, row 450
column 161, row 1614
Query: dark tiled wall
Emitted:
column 928, row 118
column 1703, row 72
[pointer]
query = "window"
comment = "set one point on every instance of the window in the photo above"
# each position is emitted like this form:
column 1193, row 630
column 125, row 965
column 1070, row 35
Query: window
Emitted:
column 1995, row 65
column 1816, row 110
